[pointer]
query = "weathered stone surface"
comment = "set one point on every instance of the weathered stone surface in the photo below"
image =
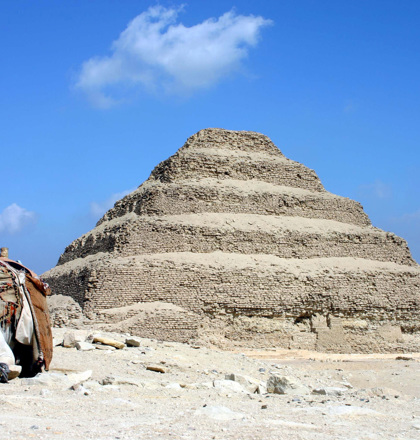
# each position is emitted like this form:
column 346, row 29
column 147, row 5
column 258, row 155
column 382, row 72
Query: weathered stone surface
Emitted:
column 108, row 341
column 84, row 346
column 229, row 386
column 249, row 383
column 329, row 391
column 69, row 340
column 64, row 311
column 285, row 385
column 104, row 347
column 58, row 379
column 157, row 368
column 117, row 380
column 133, row 342
column 237, row 241
column 14, row 371
column 173, row 386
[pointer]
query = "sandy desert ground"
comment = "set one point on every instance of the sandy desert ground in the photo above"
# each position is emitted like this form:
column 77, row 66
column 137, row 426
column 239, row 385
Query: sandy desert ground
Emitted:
column 107, row 393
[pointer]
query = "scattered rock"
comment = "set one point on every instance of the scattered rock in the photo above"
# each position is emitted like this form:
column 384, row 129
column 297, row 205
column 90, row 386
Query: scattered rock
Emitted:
column 173, row 386
column 329, row 391
column 285, row 385
column 117, row 380
column 80, row 389
column 107, row 341
column 69, row 340
column 261, row 389
column 157, row 368
column 346, row 384
column 133, row 342
column 76, row 378
column 104, row 347
column 108, row 380
column 46, row 379
column 14, row 371
column 58, row 379
column 200, row 386
column 251, row 384
column 84, row 346
column 383, row 392
column 229, row 386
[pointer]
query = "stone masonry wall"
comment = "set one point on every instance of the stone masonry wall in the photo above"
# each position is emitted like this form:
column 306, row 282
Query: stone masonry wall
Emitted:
column 173, row 325
column 198, row 166
column 252, row 293
column 366, row 294
column 185, row 198
column 274, row 300
column 149, row 235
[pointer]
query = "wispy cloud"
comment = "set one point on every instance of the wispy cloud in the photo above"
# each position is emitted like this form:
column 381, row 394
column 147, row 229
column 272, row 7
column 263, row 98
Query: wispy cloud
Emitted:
column 98, row 209
column 350, row 106
column 409, row 217
column 377, row 189
column 156, row 52
column 14, row 218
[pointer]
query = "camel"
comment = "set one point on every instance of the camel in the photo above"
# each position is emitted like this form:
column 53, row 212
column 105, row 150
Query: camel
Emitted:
column 25, row 328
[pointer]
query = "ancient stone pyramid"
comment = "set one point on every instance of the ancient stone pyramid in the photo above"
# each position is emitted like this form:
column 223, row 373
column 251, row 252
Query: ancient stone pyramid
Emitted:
column 239, row 241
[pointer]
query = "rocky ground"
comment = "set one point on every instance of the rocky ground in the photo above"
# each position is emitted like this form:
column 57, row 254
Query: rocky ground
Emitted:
column 176, row 391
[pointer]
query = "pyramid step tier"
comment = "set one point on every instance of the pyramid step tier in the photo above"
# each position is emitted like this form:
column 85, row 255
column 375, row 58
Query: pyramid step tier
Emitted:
column 285, row 237
column 236, row 196
column 251, row 285
column 224, row 164
column 234, row 141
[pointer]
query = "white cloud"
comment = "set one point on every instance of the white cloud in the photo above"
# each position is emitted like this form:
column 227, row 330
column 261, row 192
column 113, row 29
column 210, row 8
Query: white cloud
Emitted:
column 377, row 189
column 155, row 52
column 14, row 218
column 409, row 217
column 98, row 209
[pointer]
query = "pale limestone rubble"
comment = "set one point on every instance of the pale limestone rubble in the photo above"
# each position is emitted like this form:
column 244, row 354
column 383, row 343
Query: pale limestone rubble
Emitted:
column 229, row 242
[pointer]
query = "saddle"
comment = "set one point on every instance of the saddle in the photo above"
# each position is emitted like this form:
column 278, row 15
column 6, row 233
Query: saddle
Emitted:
column 24, row 317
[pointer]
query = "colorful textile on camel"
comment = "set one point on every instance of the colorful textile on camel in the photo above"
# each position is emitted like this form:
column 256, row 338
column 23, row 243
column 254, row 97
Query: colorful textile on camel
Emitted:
column 24, row 317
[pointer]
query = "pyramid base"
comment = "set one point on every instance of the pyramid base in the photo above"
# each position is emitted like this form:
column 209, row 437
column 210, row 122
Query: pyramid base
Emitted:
column 228, row 300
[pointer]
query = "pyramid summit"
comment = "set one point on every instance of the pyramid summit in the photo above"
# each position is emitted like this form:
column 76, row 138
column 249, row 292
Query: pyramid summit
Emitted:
column 230, row 242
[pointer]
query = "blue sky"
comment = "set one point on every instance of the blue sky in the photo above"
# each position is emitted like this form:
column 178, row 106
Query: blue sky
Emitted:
column 95, row 93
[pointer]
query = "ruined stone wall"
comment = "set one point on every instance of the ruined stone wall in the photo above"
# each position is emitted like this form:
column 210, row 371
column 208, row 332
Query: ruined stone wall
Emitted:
column 75, row 283
column 215, row 138
column 162, row 323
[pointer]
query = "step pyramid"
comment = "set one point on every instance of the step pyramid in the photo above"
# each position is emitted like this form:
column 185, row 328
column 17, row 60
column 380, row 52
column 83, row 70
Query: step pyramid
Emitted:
column 244, row 244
